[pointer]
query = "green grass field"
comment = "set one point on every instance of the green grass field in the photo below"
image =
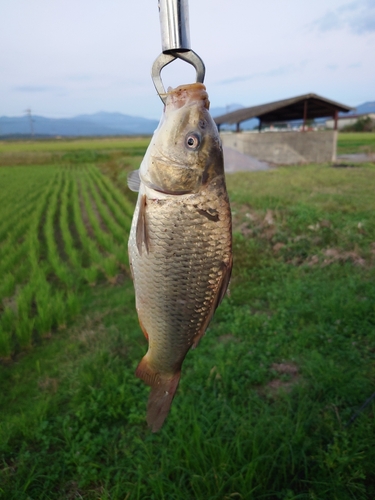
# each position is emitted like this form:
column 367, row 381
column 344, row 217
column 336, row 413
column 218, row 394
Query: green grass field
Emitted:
column 356, row 142
column 264, row 407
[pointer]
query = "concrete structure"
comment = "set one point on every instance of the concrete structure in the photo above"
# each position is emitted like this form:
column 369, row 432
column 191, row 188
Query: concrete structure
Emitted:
column 348, row 120
column 304, row 107
column 284, row 148
column 281, row 147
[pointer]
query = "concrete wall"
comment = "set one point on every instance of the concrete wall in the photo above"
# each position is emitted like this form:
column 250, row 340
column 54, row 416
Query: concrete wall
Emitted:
column 285, row 148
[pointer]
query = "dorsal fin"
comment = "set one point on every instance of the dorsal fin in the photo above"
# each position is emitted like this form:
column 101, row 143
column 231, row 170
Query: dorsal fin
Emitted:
column 134, row 181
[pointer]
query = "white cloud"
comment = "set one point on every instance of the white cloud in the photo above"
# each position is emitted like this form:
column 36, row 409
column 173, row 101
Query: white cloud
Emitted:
column 358, row 17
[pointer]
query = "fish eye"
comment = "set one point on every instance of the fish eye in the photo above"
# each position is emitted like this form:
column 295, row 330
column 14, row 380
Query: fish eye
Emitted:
column 193, row 141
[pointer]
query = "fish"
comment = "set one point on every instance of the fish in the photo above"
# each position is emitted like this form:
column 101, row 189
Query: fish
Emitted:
column 180, row 243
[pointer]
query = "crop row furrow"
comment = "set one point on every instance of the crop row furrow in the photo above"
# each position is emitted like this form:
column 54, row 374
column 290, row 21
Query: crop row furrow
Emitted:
column 117, row 231
column 39, row 309
column 70, row 227
column 25, row 229
column 12, row 258
column 17, row 215
column 17, row 325
column 104, row 238
column 90, row 252
column 116, row 194
column 121, row 217
column 74, row 255
column 16, row 237
column 10, row 279
column 60, row 269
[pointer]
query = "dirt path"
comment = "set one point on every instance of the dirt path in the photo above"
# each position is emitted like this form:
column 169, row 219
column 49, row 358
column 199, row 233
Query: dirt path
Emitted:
column 234, row 161
column 357, row 158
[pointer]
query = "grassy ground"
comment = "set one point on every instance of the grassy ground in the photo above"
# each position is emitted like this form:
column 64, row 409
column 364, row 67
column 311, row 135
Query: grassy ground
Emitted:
column 264, row 403
column 126, row 144
column 356, row 142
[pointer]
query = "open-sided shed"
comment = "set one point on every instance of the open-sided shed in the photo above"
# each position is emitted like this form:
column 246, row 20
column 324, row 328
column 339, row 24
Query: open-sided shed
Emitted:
column 285, row 147
column 304, row 107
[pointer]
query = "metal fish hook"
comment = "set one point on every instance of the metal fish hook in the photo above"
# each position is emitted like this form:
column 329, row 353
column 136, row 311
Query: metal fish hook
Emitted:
column 190, row 57
column 174, row 24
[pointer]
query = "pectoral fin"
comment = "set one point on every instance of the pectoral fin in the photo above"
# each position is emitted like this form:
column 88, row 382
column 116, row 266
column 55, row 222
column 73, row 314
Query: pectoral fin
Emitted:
column 142, row 236
column 134, row 181
column 225, row 281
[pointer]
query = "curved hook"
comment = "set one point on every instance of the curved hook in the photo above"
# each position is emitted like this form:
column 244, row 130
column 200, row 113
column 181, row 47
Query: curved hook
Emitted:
column 164, row 59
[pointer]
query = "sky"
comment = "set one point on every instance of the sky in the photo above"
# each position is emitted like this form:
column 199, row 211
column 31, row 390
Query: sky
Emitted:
column 62, row 58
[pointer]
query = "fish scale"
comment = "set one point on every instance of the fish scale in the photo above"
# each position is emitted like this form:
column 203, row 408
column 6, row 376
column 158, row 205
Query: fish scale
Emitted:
column 191, row 260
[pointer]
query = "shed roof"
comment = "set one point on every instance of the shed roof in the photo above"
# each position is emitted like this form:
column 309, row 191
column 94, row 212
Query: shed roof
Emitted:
column 286, row 110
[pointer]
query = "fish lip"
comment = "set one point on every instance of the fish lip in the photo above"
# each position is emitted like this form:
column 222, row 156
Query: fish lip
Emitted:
column 185, row 95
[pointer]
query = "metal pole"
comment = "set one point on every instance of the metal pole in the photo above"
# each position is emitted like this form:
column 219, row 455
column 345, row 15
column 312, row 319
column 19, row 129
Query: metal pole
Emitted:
column 335, row 116
column 174, row 24
column 28, row 111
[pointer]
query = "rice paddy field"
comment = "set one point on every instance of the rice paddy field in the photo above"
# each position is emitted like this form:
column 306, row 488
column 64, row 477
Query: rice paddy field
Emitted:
column 275, row 403
column 354, row 142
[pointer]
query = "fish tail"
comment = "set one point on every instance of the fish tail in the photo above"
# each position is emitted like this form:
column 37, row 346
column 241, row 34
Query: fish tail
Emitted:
column 163, row 389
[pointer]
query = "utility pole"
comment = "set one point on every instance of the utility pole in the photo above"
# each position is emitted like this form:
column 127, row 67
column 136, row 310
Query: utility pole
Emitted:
column 28, row 112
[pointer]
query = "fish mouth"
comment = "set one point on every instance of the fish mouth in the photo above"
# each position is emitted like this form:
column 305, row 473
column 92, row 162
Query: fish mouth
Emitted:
column 186, row 94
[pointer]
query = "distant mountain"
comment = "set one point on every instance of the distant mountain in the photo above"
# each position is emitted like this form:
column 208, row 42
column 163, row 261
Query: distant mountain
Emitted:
column 98, row 124
column 106, row 124
column 366, row 107
column 225, row 109
column 118, row 121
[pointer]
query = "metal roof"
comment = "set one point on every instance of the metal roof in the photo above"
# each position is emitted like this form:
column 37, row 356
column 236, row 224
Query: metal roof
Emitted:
column 286, row 110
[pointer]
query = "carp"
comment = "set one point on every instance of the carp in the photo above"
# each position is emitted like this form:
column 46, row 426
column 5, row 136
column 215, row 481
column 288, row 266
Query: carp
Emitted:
column 180, row 243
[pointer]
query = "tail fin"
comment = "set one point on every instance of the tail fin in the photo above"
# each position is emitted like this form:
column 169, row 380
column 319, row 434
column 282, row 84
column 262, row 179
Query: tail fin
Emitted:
column 163, row 389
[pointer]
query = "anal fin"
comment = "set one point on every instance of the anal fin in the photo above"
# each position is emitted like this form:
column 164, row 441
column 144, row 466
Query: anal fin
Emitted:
column 134, row 181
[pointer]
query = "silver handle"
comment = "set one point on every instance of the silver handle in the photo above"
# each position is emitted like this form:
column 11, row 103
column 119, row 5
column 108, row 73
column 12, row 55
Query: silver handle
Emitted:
column 175, row 39
column 174, row 24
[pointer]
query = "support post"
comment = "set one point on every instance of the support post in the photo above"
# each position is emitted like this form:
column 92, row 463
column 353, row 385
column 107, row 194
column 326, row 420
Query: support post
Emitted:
column 260, row 125
column 237, row 127
column 304, row 115
column 335, row 117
